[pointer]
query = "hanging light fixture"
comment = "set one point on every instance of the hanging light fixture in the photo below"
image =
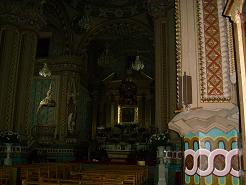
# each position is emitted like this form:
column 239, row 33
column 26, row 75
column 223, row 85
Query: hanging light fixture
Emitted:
column 105, row 58
column 45, row 72
column 84, row 22
column 137, row 65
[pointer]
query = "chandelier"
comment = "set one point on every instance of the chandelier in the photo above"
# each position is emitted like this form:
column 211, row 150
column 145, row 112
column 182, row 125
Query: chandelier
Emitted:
column 45, row 72
column 84, row 22
column 105, row 58
column 137, row 65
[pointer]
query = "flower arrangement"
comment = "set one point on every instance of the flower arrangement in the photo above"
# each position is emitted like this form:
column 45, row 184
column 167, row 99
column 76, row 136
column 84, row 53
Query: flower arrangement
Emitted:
column 9, row 137
column 159, row 139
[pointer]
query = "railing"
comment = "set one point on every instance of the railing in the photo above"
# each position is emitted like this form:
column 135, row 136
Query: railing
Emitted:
column 44, row 134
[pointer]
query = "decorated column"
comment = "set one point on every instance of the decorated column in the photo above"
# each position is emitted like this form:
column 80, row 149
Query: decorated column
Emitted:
column 211, row 149
column 18, row 40
column 210, row 126
column 236, row 11
column 162, row 13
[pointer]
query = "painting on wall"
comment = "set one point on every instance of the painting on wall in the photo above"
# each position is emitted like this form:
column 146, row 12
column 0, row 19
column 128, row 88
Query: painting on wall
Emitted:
column 127, row 114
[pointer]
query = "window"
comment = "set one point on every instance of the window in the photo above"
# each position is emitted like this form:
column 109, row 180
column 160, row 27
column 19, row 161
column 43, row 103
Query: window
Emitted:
column 43, row 46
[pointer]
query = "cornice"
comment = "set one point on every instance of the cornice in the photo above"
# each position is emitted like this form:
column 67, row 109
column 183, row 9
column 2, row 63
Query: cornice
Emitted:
column 203, row 120
column 63, row 63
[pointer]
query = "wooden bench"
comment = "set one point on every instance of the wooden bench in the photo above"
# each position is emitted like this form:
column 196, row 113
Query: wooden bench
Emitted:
column 4, row 176
column 125, row 174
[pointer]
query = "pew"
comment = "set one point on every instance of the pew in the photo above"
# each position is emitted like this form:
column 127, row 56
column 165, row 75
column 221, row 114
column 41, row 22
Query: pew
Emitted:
column 72, row 173
column 4, row 176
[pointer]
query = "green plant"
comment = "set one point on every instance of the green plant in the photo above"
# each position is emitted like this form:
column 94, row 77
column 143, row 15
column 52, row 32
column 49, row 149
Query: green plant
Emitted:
column 9, row 137
column 159, row 139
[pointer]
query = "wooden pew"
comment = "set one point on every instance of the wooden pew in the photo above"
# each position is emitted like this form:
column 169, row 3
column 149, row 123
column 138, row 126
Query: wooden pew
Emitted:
column 4, row 176
column 134, row 175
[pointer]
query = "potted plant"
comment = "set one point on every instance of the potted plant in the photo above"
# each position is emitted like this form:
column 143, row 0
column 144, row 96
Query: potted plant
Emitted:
column 141, row 156
column 159, row 139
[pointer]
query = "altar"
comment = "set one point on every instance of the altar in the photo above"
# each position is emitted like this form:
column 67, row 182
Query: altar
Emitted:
column 118, row 151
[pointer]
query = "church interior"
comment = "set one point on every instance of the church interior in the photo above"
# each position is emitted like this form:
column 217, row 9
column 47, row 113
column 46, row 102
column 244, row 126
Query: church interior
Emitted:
column 134, row 92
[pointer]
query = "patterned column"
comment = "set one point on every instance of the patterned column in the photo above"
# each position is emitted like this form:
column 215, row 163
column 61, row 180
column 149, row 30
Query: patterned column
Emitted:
column 159, row 14
column 164, row 36
column 70, row 70
column 235, row 12
column 19, row 25
column 94, row 116
column 24, row 81
column 211, row 151
column 10, row 45
column 215, row 50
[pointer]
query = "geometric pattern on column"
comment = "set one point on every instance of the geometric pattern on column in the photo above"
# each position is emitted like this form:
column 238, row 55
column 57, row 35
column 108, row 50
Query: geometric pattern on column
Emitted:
column 211, row 154
column 211, row 158
column 214, row 57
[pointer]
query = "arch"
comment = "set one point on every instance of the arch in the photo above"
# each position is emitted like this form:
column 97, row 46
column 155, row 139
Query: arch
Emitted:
column 106, row 25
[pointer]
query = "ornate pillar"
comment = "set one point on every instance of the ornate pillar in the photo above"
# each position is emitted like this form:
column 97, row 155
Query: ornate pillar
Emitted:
column 94, row 116
column 140, row 111
column 70, row 70
column 159, row 10
column 17, row 57
column 25, row 73
column 148, row 111
column 211, row 146
column 10, row 46
column 234, row 11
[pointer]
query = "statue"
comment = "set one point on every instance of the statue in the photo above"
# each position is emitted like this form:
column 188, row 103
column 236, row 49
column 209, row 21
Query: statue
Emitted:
column 48, row 101
column 72, row 115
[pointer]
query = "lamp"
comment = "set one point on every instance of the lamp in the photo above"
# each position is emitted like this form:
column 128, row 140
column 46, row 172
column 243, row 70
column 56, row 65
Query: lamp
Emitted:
column 137, row 65
column 105, row 58
column 84, row 22
column 45, row 72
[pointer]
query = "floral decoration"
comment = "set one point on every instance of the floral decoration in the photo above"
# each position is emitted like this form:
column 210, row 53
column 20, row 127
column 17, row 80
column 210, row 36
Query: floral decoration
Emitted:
column 159, row 139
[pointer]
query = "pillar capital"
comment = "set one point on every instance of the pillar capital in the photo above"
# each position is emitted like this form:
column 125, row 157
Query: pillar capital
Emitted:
column 158, row 8
column 203, row 120
column 63, row 63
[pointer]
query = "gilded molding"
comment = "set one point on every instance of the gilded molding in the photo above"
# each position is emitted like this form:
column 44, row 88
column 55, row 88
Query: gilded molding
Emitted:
column 203, row 120
column 233, row 10
column 231, row 52
column 178, row 44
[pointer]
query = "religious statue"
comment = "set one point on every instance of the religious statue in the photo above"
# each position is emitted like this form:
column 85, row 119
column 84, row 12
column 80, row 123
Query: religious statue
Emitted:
column 48, row 101
column 72, row 115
